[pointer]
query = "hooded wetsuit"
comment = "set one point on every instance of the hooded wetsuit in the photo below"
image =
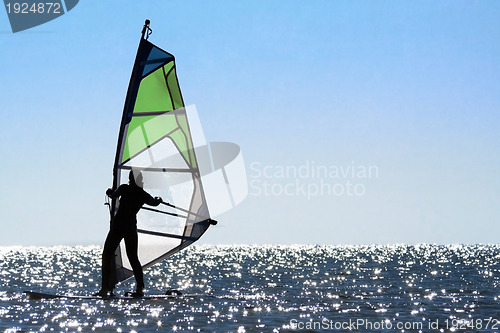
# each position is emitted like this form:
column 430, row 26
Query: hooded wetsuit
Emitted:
column 124, row 226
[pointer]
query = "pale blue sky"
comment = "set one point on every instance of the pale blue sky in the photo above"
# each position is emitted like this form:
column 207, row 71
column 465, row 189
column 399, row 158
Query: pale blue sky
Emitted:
column 411, row 88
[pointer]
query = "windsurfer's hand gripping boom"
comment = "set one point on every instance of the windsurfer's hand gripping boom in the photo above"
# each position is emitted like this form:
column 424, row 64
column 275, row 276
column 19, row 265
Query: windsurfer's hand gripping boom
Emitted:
column 156, row 201
column 115, row 194
column 109, row 192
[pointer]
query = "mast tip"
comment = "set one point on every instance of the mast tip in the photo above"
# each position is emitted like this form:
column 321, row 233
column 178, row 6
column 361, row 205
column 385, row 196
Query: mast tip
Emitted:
column 146, row 30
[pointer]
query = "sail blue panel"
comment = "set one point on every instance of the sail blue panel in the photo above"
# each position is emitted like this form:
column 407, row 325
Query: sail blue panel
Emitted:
column 156, row 53
column 158, row 58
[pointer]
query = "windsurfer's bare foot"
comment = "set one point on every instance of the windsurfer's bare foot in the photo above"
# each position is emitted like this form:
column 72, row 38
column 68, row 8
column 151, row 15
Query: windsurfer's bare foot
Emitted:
column 139, row 292
column 104, row 293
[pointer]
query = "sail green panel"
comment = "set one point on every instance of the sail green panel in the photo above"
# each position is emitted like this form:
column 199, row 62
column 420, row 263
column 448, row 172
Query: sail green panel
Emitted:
column 158, row 91
column 188, row 153
column 135, row 139
column 153, row 94
column 174, row 88
column 144, row 131
column 184, row 145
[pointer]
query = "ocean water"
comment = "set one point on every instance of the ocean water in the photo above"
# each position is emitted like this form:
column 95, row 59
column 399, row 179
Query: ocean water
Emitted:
column 400, row 288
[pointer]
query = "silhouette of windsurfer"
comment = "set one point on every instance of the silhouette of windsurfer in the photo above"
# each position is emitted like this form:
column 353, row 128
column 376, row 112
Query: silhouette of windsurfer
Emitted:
column 124, row 226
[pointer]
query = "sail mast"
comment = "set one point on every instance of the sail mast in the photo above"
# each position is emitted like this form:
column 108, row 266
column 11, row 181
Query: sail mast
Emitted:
column 133, row 87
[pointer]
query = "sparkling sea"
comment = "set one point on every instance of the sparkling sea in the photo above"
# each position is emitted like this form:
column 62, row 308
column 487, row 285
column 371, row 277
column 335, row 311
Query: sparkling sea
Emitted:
column 287, row 288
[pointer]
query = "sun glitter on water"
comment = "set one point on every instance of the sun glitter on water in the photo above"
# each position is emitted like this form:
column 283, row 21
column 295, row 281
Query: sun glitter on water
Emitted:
column 260, row 289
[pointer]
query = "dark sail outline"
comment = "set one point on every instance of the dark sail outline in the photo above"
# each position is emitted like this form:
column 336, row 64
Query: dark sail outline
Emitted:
column 150, row 59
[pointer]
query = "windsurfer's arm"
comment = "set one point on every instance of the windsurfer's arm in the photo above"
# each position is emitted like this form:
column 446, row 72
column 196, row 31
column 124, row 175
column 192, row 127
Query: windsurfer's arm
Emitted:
column 153, row 201
column 113, row 193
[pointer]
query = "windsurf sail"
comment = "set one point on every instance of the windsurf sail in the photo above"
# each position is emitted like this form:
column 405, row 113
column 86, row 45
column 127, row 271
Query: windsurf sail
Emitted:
column 155, row 139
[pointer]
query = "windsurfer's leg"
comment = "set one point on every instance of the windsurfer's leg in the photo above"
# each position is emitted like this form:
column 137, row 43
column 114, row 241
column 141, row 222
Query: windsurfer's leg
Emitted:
column 131, row 244
column 112, row 241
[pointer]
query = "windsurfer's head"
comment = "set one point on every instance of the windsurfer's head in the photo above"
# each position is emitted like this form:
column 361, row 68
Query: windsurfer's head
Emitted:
column 135, row 178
